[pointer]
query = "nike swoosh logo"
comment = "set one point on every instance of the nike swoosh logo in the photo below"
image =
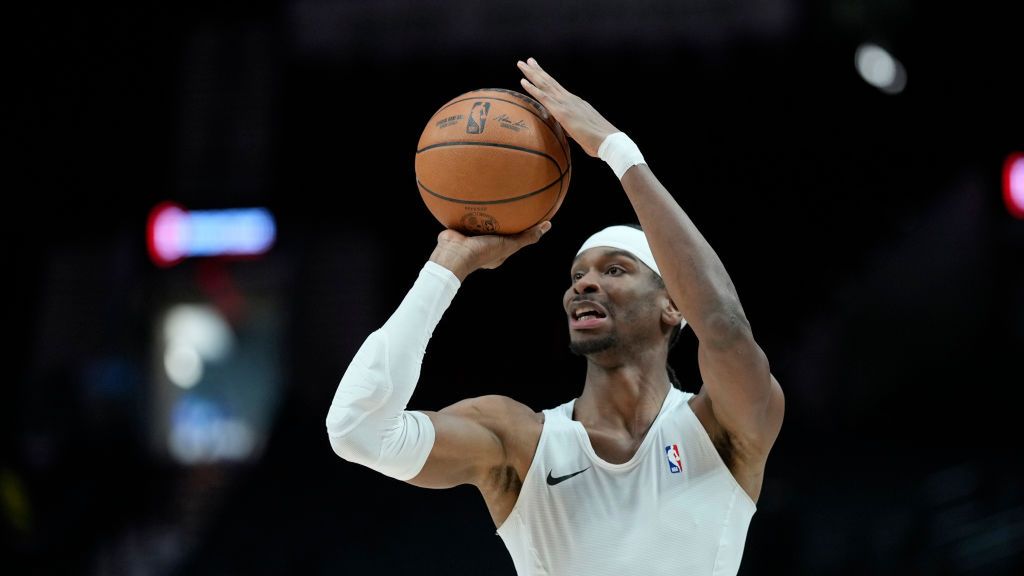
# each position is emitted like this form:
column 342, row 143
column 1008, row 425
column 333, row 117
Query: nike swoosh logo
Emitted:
column 552, row 480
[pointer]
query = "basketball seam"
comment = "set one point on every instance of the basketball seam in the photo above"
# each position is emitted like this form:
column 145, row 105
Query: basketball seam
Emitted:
column 530, row 100
column 491, row 144
column 563, row 146
column 562, row 187
column 502, row 201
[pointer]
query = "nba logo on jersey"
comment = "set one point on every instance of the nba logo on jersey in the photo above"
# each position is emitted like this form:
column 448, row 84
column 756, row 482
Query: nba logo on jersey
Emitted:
column 675, row 464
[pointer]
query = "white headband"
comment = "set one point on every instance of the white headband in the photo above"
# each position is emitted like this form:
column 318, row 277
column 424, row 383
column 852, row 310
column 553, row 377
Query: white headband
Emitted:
column 624, row 238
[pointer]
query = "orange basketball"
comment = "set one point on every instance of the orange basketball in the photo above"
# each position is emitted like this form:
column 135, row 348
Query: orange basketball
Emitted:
column 492, row 161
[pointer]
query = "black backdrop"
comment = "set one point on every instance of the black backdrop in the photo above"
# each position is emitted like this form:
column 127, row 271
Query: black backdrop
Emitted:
column 865, row 233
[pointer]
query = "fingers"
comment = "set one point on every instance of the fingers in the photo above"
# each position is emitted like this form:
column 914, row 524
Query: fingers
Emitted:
column 530, row 87
column 463, row 254
column 532, row 235
column 516, row 242
column 578, row 118
column 539, row 83
column 538, row 76
column 533, row 90
column 449, row 235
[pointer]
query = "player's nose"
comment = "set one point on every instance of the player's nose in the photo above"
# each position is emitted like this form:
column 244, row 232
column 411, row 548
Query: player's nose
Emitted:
column 586, row 283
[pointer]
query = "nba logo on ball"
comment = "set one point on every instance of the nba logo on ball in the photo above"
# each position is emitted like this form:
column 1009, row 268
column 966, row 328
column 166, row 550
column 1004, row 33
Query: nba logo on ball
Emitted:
column 477, row 117
column 675, row 464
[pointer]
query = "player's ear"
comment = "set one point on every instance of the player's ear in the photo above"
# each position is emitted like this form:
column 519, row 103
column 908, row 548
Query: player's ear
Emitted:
column 670, row 314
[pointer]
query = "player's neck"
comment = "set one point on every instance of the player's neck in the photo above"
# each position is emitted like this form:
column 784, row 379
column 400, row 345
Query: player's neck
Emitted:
column 624, row 397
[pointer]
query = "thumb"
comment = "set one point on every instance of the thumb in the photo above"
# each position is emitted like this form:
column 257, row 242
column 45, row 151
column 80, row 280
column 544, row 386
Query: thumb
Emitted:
column 532, row 235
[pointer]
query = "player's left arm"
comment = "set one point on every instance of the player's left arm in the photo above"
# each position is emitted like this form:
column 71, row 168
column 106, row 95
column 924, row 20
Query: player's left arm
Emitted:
column 747, row 402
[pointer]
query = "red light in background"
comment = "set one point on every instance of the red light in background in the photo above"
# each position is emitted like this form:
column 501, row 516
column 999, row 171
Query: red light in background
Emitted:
column 164, row 234
column 1013, row 184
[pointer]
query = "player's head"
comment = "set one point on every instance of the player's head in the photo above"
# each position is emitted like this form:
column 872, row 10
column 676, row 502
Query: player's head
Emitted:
column 617, row 298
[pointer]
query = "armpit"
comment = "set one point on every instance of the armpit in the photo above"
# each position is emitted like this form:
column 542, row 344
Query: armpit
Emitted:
column 505, row 479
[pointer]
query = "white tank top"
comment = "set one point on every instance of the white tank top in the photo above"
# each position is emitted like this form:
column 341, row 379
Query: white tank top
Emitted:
column 673, row 508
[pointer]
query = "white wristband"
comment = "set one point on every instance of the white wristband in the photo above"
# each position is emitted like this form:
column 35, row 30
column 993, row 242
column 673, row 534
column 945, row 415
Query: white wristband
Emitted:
column 620, row 152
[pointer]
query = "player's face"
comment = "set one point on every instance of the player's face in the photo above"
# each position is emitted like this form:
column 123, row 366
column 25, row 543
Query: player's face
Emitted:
column 611, row 302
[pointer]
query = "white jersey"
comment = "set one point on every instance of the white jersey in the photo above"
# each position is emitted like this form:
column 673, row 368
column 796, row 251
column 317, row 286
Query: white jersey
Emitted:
column 673, row 508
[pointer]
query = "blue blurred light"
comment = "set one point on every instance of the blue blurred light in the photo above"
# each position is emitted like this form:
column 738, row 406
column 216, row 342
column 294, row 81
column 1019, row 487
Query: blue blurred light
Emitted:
column 174, row 233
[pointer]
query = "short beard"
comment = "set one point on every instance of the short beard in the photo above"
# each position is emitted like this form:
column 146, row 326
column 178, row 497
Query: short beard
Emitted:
column 593, row 346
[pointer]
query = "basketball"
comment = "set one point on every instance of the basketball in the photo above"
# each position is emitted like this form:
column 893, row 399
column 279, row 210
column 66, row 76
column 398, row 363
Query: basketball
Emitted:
column 492, row 161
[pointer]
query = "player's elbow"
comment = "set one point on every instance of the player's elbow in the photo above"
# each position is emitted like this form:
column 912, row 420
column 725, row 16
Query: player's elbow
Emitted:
column 346, row 432
column 342, row 448
column 397, row 447
column 352, row 447
column 348, row 450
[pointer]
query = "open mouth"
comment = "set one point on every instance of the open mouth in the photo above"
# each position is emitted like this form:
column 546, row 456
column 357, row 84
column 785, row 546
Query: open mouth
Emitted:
column 587, row 313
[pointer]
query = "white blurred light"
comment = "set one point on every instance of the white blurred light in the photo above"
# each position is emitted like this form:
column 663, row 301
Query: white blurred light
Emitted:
column 183, row 365
column 193, row 334
column 878, row 68
column 201, row 327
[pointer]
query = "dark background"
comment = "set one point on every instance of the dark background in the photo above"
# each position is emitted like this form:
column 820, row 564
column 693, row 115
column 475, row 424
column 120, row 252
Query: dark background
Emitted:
column 865, row 232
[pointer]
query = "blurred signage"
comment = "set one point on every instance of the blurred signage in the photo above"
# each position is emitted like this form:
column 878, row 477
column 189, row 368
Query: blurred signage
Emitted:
column 173, row 233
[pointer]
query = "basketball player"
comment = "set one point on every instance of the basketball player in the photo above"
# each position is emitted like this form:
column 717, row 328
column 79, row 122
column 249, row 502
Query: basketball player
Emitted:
column 633, row 476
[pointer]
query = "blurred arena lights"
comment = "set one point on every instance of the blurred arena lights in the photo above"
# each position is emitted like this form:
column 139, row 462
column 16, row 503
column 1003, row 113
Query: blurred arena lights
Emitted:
column 193, row 334
column 173, row 233
column 203, row 431
column 183, row 365
column 878, row 68
column 1013, row 184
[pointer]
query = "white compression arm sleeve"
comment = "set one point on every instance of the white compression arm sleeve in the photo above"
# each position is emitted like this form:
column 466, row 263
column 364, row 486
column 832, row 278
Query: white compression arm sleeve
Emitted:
column 367, row 423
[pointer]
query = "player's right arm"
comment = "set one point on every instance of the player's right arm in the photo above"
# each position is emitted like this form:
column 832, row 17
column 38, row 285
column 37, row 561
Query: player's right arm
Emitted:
column 488, row 442
column 368, row 422
column 485, row 441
